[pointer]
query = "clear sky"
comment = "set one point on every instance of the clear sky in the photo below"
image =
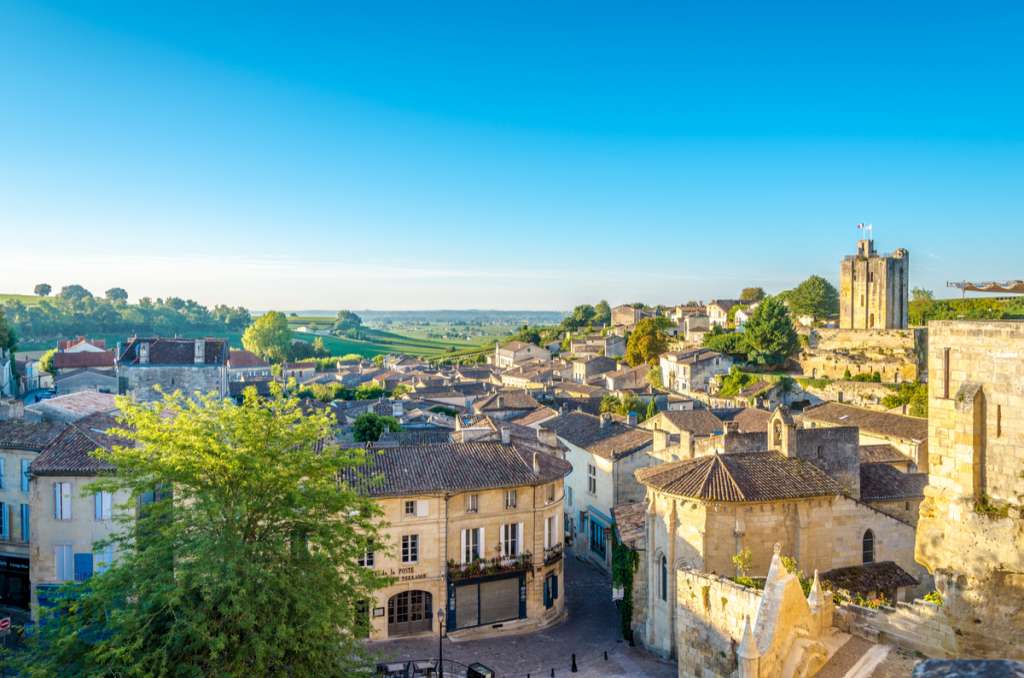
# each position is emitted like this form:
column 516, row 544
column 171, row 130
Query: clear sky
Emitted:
column 503, row 155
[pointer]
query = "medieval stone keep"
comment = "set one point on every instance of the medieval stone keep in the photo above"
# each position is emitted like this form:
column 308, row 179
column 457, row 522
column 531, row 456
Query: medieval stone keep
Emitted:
column 873, row 289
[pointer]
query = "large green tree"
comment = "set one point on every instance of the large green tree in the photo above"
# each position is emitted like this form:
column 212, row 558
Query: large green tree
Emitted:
column 269, row 337
column 368, row 427
column 42, row 290
column 751, row 294
column 242, row 560
column 8, row 339
column 117, row 295
column 769, row 336
column 347, row 321
column 815, row 297
column 646, row 342
column 602, row 313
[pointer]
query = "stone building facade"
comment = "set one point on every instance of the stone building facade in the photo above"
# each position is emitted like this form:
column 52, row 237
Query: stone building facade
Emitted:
column 971, row 527
column 874, row 289
column 473, row 529
column 703, row 511
column 187, row 365
column 897, row 355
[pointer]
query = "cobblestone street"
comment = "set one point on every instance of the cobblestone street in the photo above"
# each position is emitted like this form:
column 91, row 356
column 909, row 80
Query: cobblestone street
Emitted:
column 591, row 630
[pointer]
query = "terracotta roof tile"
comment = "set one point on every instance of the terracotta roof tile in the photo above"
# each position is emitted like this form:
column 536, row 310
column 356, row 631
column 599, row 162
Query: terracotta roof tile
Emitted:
column 611, row 441
column 740, row 477
column 18, row 434
column 71, row 452
column 868, row 578
column 880, row 482
column 65, row 361
column 870, row 421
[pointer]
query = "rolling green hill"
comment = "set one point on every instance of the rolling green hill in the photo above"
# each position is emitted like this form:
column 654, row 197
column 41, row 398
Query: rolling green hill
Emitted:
column 26, row 299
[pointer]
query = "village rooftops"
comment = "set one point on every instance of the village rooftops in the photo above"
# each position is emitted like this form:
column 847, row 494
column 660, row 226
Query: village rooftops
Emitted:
column 18, row 434
column 691, row 356
column 453, row 467
column 883, row 454
column 610, row 439
column 695, row 422
column 71, row 407
column 869, row 421
column 239, row 359
column 515, row 346
column 71, row 453
column 506, row 400
column 164, row 351
column 740, row 477
column 881, row 482
column 746, row 419
column 83, row 359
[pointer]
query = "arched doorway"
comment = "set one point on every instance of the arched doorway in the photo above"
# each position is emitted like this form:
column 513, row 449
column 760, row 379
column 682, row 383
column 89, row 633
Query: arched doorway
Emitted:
column 409, row 612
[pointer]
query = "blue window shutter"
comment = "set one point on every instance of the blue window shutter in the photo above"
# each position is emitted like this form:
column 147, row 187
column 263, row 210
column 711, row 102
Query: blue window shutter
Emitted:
column 554, row 587
column 5, row 522
column 24, row 523
column 83, row 566
column 2, row 469
column 24, row 474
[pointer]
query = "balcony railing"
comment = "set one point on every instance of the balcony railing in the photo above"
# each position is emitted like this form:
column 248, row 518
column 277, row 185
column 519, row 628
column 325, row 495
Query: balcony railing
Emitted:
column 552, row 554
column 484, row 567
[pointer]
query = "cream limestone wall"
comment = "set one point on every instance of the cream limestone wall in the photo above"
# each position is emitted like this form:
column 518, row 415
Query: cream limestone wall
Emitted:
column 82, row 532
column 440, row 541
column 820, row 533
column 976, row 449
column 712, row 612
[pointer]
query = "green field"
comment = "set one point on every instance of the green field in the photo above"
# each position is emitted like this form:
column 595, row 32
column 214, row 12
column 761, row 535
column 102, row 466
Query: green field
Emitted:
column 26, row 299
column 379, row 343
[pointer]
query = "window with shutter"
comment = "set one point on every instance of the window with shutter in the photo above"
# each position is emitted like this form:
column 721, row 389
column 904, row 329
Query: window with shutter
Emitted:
column 24, row 523
column 3, row 464
column 24, row 474
column 5, row 521
column 421, row 508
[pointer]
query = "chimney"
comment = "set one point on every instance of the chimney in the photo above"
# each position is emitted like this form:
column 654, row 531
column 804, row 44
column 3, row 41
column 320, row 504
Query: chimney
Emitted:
column 143, row 352
column 536, row 463
column 200, row 351
column 506, row 435
column 631, row 418
column 546, row 436
column 499, row 401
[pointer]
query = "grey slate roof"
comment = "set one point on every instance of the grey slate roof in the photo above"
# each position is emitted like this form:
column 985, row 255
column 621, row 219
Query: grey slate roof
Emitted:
column 868, row 578
column 880, row 454
column 740, row 477
column 451, row 467
column 18, row 434
column 71, row 452
column 870, row 421
column 614, row 440
column 881, row 481
column 174, row 351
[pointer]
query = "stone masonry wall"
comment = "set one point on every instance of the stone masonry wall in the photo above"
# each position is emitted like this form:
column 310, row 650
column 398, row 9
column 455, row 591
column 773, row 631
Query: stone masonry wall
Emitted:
column 971, row 529
column 142, row 380
column 710, row 615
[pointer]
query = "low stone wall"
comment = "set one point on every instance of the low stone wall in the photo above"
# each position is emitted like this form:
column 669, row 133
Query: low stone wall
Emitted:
column 711, row 612
column 918, row 626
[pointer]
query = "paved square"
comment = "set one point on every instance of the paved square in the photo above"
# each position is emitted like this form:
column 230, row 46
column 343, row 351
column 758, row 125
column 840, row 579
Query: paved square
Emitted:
column 591, row 630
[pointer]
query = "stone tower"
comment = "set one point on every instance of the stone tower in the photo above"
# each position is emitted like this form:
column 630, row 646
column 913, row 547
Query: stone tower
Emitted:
column 873, row 289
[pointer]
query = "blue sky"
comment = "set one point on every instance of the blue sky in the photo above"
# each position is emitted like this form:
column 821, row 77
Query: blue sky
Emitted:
column 526, row 156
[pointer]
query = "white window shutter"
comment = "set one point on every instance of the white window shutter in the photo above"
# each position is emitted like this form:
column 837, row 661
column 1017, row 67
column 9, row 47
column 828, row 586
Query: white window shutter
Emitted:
column 65, row 501
column 464, row 546
column 421, row 508
column 501, row 539
column 547, row 534
column 519, row 539
column 481, row 542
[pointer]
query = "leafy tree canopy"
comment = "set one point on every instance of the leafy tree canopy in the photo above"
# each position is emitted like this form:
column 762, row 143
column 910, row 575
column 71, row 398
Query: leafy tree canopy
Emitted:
column 724, row 341
column 269, row 337
column 530, row 335
column 117, row 294
column 347, row 320
column 46, row 361
column 769, row 334
column 751, row 294
column 914, row 394
column 243, row 562
column 42, row 290
column 602, row 313
column 8, row 339
column 646, row 342
column 368, row 427
column 815, row 297
column 921, row 294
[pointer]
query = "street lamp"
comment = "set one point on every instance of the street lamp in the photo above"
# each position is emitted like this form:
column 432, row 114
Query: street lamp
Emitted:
column 440, row 637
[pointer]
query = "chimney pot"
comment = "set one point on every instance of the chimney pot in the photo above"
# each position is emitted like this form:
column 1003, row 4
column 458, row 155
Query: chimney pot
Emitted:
column 536, row 462
column 506, row 435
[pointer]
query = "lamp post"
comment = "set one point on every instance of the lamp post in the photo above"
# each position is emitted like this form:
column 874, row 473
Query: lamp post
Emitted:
column 440, row 647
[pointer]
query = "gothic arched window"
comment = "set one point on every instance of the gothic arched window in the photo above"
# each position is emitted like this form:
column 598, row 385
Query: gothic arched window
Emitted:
column 664, row 578
column 869, row 547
